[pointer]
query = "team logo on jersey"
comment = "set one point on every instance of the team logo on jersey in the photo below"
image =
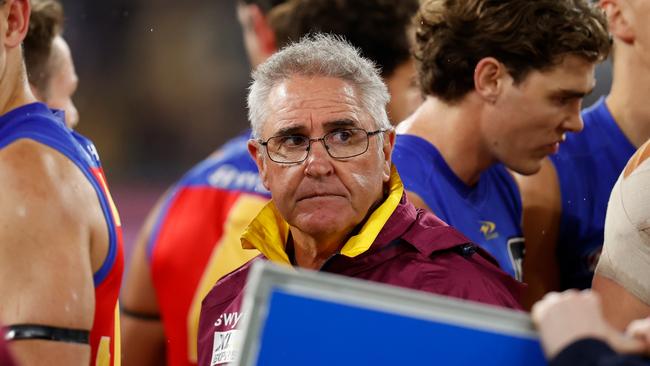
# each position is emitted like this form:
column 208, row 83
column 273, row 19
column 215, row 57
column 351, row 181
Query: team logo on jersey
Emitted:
column 489, row 230
column 225, row 347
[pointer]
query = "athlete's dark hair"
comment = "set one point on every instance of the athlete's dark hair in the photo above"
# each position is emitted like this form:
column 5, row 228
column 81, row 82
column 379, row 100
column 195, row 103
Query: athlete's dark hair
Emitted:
column 45, row 23
column 379, row 28
column 265, row 5
column 452, row 36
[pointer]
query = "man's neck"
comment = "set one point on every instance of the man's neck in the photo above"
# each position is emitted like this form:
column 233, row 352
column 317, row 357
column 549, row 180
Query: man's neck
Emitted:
column 452, row 130
column 312, row 252
column 628, row 98
column 15, row 90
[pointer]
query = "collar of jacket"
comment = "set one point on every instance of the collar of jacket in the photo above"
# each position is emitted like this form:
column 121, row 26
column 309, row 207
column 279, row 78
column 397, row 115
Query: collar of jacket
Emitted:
column 268, row 232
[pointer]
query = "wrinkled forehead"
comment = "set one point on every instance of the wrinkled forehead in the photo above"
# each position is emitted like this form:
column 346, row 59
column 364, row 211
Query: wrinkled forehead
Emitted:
column 314, row 105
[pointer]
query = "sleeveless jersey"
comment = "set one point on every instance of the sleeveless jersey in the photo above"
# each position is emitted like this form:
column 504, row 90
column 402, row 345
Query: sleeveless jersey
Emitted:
column 588, row 165
column 489, row 213
column 38, row 123
column 196, row 240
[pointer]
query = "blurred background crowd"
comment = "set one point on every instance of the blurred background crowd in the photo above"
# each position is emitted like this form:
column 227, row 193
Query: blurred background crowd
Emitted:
column 161, row 86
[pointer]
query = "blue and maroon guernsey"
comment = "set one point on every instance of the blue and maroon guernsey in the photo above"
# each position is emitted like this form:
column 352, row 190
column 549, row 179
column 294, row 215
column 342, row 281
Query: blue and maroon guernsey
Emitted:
column 38, row 123
column 489, row 213
column 588, row 165
column 195, row 239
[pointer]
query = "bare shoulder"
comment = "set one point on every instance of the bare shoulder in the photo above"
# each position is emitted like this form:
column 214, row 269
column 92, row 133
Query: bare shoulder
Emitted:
column 30, row 170
column 44, row 235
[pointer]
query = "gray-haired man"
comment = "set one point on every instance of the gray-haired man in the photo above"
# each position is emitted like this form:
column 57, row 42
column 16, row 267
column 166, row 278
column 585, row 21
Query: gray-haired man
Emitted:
column 323, row 143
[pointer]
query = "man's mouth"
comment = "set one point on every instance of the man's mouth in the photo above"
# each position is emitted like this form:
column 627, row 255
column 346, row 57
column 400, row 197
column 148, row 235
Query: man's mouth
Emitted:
column 318, row 195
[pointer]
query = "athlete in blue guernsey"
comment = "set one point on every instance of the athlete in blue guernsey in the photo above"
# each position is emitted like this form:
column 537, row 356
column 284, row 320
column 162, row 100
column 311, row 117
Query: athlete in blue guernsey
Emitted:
column 564, row 205
column 61, row 266
column 488, row 213
column 38, row 123
column 587, row 165
column 493, row 102
column 570, row 209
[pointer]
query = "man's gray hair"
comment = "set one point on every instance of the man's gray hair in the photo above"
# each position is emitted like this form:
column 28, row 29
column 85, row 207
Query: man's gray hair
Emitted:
column 319, row 55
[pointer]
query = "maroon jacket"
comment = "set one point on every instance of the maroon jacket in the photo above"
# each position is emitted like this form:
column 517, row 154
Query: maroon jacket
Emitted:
column 414, row 249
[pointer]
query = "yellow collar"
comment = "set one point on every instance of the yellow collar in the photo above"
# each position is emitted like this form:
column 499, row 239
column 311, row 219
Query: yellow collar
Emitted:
column 268, row 232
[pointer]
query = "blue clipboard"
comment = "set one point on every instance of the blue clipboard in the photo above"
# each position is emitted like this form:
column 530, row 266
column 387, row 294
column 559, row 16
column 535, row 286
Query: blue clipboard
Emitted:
column 307, row 318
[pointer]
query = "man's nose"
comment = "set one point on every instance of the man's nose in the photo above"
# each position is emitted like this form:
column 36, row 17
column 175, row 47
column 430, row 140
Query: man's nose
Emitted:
column 319, row 162
column 573, row 122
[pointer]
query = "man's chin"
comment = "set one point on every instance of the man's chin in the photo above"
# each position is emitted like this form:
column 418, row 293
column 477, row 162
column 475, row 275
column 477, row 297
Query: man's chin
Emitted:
column 323, row 224
column 526, row 170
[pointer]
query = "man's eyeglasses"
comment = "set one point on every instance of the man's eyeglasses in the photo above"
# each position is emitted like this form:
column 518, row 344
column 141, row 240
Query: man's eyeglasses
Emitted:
column 340, row 144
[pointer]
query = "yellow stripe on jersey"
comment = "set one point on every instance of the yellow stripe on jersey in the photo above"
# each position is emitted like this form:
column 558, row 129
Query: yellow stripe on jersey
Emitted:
column 104, row 352
column 116, row 215
column 117, row 350
column 103, row 357
column 227, row 256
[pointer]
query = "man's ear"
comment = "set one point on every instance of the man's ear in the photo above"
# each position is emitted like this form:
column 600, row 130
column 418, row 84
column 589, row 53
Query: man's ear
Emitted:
column 489, row 78
column 16, row 13
column 256, row 22
column 263, row 31
column 619, row 19
column 257, row 153
column 389, row 144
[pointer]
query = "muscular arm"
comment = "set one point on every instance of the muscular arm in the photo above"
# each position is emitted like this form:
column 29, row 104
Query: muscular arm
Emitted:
column 542, row 206
column 45, row 250
column 143, row 334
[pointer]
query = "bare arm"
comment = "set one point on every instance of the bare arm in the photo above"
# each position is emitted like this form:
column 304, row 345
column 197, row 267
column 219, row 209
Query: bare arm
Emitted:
column 143, row 335
column 620, row 307
column 45, row 261
column 542, row 207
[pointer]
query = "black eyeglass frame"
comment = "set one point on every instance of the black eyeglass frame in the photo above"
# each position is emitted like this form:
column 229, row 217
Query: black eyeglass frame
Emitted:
column 322, row 140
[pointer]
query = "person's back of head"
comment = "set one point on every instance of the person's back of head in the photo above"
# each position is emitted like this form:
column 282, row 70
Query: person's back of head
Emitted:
column 453, row 36
column 46, row 22
column 264, row 5
column 50, row 69
column 380, row 29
